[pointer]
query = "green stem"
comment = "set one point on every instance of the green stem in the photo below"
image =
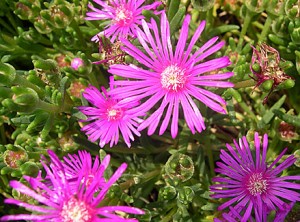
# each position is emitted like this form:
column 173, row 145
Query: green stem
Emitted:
column 210, row 156
column 48, row 107
column 245, row 27
column 169, row 216
column 266, row 29
column 244, row 84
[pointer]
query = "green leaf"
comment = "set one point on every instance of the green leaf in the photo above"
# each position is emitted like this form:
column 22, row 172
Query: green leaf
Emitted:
column 173, row 8
column 176, row 21
column 269, row 114
column 294, row 120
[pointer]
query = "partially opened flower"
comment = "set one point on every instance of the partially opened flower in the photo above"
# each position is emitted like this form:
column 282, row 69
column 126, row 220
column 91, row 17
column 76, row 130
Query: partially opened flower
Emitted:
column 83, row 163
column 108, row 118
column 173, row 78
column 124, row 16
column 254, row 189
column 59, row 203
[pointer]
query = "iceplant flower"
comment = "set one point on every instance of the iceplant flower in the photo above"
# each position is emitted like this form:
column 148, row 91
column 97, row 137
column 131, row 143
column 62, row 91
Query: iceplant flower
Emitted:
column 62, row 204
column 124, row 16
column 107, row 118
column 251, row 186
column 76, row 164
column 172, row 77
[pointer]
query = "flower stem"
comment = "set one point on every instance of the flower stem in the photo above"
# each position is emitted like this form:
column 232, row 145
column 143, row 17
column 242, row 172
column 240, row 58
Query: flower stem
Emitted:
column 169, row 216
column 246, row 24
column 265, row 29
column 48, row 107
column 210, row 156
column 244, row 84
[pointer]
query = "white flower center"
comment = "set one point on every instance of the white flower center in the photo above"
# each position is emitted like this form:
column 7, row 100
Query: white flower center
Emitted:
column 114, row 114
column 257, row 184
column 76, row 210
column 123, row 16
column 173, row 78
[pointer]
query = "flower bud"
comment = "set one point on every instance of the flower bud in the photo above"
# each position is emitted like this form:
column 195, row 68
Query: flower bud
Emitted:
column 256, row 6
column 292, row 9
column 27, row 10
column 76, row 63
column 275, row 8
column 42, row 25
column 14, row 156
column 180, row 166
column 167, row 193
column 186, row 195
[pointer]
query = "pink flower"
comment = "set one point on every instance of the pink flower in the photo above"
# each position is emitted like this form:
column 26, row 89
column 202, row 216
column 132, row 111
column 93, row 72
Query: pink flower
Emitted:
column 107, row 118
column 124, row 16
column 59, row 202
column 172, row 79
column 76, row 63
column 251, row 186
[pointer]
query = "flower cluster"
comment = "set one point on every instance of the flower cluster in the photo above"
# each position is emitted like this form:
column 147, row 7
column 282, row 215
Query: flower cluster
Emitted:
column 71, row 191
column 167, row 79
column 253, row 187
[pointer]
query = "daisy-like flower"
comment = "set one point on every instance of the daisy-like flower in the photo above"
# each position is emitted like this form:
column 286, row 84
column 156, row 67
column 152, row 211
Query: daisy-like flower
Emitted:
column 108, row 118
column 124, row 16
column 254, row 188
column 59, row 203
column 171, row 78
column 76, row 164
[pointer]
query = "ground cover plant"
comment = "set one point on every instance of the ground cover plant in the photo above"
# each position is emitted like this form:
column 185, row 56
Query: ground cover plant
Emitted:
column 147, row 110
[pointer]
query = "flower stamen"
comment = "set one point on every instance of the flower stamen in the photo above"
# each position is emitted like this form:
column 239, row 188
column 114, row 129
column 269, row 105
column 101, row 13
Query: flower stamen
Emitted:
column 257, row 184
column 173, row 78
column 114, row 114
column 75, row 210
column 123, row 16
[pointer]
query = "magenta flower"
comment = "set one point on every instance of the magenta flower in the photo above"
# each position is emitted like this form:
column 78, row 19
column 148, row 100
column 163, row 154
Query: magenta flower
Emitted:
column 253, row 187
column 59, row 203
column 124, row 16
column 82, row 163
column 171, row 78
column 108, row 118
column 76, row 63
